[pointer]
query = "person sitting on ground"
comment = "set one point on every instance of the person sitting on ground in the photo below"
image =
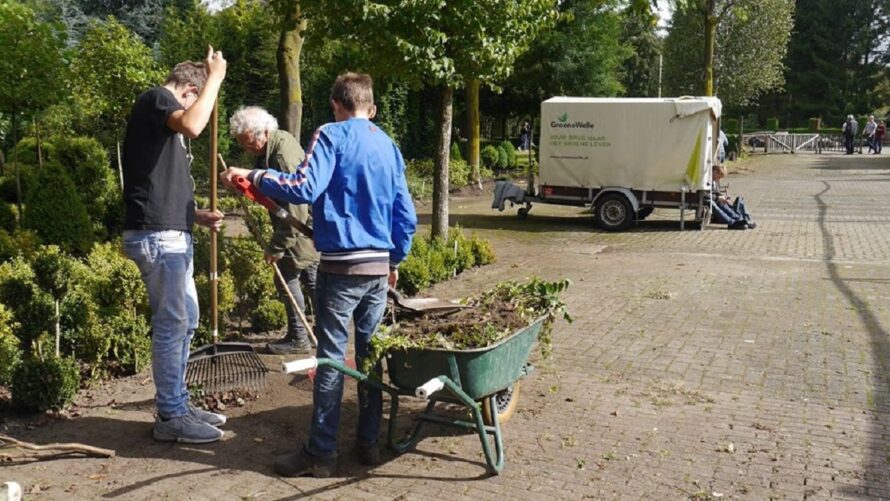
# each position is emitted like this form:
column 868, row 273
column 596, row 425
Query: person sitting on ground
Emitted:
column 724, row 209
column 257, row 133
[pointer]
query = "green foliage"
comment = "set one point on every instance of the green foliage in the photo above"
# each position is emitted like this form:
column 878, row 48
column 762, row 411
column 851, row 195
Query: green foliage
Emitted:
column 18, row 243
column 10, row 346
column 640, row 32
column 8, row 219
column 433, row 260
column 86, row 162
column 503, row 159
column 455, row 152
column 54, row 211
column 114, row 282
column 32, row 307
column 731, row 125
column 225, row 299
column 422, row 169
column 815, row 123
column 751, row 42
column 772, row 123
column 44, row 384
column 110, row 68
column 130, row 346
column 268, row 316
column 490, row 156
column 32, row 63
column 52, row 270
column 510, row 151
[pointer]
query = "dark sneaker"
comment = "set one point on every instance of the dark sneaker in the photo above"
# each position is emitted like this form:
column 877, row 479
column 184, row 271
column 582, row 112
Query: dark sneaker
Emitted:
column 210, row 418
column 187, row 429
column 289, row 347
column 752, row 225
column 301, row 464
column 739, row 225
column 369, row 454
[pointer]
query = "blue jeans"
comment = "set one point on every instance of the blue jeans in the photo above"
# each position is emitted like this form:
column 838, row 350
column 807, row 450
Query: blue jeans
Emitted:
column 729, row 214
column 165, row 260
column 339, row 299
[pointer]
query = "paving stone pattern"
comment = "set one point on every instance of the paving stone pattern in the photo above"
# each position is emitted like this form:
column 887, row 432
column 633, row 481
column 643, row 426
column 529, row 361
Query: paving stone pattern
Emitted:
column 702, row 364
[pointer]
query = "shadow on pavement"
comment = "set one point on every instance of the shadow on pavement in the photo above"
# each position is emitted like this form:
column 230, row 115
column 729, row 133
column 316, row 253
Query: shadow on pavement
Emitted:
column 875, row 467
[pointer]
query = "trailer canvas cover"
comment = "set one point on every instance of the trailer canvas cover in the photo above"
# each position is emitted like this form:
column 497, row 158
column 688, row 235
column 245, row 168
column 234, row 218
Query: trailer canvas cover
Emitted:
column 664, row 144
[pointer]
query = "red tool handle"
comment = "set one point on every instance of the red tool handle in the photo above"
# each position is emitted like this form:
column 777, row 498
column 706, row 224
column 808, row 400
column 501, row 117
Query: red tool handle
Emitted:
column 246, row 188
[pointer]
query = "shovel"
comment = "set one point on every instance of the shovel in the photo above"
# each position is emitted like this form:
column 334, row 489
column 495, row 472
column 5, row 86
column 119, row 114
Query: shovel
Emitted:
column 423, row 304
column 220, row 367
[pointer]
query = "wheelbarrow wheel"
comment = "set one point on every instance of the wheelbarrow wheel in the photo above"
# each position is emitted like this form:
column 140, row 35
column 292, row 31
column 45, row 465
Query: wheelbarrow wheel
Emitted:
column 505, row 402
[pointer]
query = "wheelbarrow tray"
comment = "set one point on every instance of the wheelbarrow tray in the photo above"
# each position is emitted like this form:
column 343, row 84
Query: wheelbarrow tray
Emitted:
column 479, row 372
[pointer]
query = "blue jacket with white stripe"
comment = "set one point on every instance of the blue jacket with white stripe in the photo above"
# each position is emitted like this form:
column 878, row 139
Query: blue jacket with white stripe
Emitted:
column 354, row 177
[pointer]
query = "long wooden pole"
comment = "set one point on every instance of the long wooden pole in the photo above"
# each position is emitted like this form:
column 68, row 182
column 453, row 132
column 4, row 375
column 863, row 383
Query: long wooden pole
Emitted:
column 214, row 276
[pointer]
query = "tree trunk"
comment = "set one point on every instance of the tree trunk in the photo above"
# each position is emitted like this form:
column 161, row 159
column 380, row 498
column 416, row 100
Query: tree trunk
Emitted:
column 710, row 40
column 39, row 149
column 15, row 161
column 58, row 328
column 440, row 181
column 120, row 164
column 290, row 45
column 473, row 129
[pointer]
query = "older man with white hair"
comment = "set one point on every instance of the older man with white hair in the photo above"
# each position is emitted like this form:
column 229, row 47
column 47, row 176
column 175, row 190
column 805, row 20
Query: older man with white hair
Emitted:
column 257, row 133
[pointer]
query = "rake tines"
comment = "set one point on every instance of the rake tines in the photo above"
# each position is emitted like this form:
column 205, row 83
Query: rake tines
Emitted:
column 224, row 367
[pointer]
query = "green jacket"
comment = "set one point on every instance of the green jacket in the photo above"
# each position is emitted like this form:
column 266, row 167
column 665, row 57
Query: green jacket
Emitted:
column 283, row 153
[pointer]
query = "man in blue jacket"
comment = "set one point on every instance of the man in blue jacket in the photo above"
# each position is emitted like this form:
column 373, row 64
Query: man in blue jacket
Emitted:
column 363, row 222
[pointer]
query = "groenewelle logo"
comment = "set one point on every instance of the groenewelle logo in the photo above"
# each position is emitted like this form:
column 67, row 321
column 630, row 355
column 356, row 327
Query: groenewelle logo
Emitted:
column 562, row 122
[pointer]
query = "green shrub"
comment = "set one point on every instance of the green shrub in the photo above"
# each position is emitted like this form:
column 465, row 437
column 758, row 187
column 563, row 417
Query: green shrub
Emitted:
column 490, row 157
column 32, row 308
column 83, row 334
column 54, row 211
column 22, row 243
column 772, row 124
column 86, row 162
column 225, row 300
column 510, row 150
column 27, row 151
column 7, row 182
column 458, row 173
column 424, row 169
column 8, row 219
column 433, row 260
column 503, row 159
column 10, row 347
column 43, row 384
column 270, row 315
column 455, row 152
column 114, row 281
column 130, row 346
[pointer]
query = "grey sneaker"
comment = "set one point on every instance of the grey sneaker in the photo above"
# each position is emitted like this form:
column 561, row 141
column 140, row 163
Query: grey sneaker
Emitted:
column 187, row 429
column 211, row 418
column 289, row 347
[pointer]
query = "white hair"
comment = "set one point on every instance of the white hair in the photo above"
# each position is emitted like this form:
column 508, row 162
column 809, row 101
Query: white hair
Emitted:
column 252, row 119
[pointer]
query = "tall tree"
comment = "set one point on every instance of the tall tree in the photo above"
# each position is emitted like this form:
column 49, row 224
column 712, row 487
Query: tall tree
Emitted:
column 581, row 56
column 31, row 67
column 445, row 43
column 110, row 68
column 749, row 44
column 291, row 24
column 836, row 57
column 640, row 69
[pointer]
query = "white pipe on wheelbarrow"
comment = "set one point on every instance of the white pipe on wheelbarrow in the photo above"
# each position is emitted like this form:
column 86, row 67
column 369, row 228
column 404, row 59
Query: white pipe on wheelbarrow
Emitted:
column 432, row 386
column 300, row 365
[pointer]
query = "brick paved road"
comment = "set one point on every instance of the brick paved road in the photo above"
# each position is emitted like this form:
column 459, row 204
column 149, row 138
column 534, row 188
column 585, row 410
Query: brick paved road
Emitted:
column 701, row 365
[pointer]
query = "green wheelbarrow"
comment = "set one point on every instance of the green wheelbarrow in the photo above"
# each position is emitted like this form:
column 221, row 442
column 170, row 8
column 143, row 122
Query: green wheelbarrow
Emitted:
column 483, row 380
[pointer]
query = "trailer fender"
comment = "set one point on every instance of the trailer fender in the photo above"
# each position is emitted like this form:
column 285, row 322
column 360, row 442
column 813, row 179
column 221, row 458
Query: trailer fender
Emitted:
column 634, row 203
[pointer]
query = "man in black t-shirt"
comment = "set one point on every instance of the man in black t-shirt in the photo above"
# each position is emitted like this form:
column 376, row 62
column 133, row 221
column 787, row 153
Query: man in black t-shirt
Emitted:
column 160, row 212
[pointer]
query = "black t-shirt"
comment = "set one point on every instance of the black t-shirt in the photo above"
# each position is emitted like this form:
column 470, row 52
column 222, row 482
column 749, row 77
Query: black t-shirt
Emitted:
column 158, row 186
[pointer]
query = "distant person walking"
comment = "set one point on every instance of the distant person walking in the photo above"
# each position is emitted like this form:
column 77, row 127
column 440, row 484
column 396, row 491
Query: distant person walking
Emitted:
column 525, row 137
column 849, row 129
column 880, row 131
column 869, row 132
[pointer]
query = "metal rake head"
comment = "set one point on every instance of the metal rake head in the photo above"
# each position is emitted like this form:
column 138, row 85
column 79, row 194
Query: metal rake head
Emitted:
column 227, row 371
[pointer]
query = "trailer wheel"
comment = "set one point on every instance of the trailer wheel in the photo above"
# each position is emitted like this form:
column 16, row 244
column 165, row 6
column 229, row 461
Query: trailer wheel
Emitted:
column 613, row 212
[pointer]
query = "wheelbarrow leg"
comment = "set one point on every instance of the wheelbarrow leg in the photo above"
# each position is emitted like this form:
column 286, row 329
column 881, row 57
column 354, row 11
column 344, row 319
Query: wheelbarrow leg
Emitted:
column 408, row 443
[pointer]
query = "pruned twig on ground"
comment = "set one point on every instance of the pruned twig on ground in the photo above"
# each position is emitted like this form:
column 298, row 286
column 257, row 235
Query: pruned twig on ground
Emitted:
column 36, row 452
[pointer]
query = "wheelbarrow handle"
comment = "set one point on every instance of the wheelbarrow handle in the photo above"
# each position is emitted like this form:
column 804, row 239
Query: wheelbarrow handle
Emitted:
column 301, row 365
column 426, row 389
